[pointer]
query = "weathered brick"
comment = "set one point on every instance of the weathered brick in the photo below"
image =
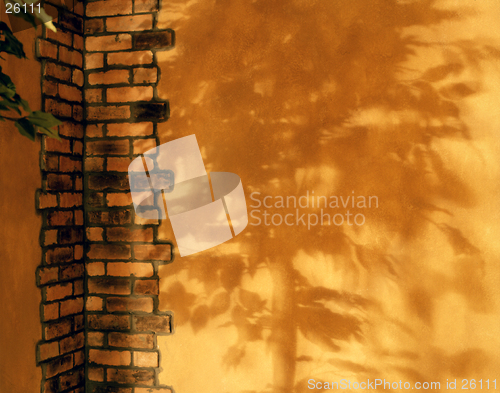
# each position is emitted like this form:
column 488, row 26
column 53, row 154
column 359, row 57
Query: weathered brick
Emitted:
column 58, row 291
column 49, row 88
column 94, row 164
column 114, row 304
column 108, row 112
column 79, row 321
column 129, row 23
column 78, row 247
column 70, row 93
column 145, row 75
column 71, row 129
column 95, row 339
column 71, row 199
column 131, row 58
column 156, row 39
column 78, row 115
column 112, row 286
column 50, row 162
column 145, row 359
column 125, row 340
column 142, row 145
column 108, row 42
column 109, row 7
column 78, row 42
column 93, row 95
column 47, row 275
column 46, row 49
column 59, row 255
column 77, row 150
column 72, row 379
column 57, row 71
column 94, row 303
column 72, row 271
column 118, row 199
column 58, row 218
column 57, row 108
column 95, row 234
column 50, row 237
column 61, row 36
column 95, row 25
column 125, row 269
column 59, row 366
column 110, row 358
column 129, row 94
column 78, row 215
column 95, row 268
column 48, row 350
column 71, row 306
column 77, row 77
column 71, row 22
column 161, row 252
column 109, row 77
column 57, row 329
column 70, row 235
column 151, row 111
column 95, row 199
column 67, row 164
column 94, row 60
column 109, row 322
column 46, row 200
column 130, row 129
column 62, row 146
column 129, row 234
column 51, row 386
column 152, row 390
column 108, row 147
column 155, row 323
column 50, row 311
column 59, row 182
column 146, row 6
column 73, row 342
column 95, row 374
column 118, row 164
column 94, row 130
column 146, row 287
column 69, row 56
column 130, row 376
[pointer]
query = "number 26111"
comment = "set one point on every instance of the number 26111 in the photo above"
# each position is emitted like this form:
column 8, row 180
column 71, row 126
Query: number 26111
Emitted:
column 473, row 384
column 16, row 8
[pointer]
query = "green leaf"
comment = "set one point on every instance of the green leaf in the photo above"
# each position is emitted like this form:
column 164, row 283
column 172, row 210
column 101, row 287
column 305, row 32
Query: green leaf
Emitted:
column 25, row 105
column 26, row 128
column 6, row 92
column 49, row 132
column 11, row 44
column 11, row 105
column 44, row 119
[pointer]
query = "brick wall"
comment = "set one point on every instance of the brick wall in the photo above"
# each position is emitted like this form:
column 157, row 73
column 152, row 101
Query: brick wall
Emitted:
column 60, row 277
column 122, row 251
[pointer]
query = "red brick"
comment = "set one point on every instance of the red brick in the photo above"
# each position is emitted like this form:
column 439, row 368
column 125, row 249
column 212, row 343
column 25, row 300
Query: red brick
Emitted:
column 70, row 93
column 145, row 75
column 72, row 271
column 95, row 268
column 77, row 148
column 79, row 320
column 129, row 234
column 58, row 291
column 46, row 49
column 72, row 57
column 129, row 23
column 47, row 200
column 62, row 146
column 71, row 379
column 95, row 374
column 59, row 366
column 108, row 42
column 146, row 287
column 118, row 164
column 59, row 182
column 94, row 60
column 60, row 36
column 127, row 376
column 156, row 323
column 114, row 304
column 109, row 77
column 153, row 39
column 59, row 255
column 152, row 390
column 57, row 108
column 94, row 26
column 95, row 339
column 78, row 114
column 50, row 162
column 94, row 303
column 47, row 275
column 57, row 71
column 95, row 234
column 161, row 252
column 71, row 129
column 79, row 360
column 109, row 7
column 112, row 286
column 94, row 130
column 110, row 358
column 126, row 269
column 130, row 129
column 125, row 340
column 145, row 359
column 131, row 58
column 78, row 41
column 145, row 6
column 72, row 306
column 118, row 199
column 49, row 88
column 130, row 94
column 94, row 164
column 77, row 77
column 108, row 113
column 93, row 95
column 50, row 237
column 71, row 199
column 50, row 311
column 48, row 350
column 78, row 288
column 67, row 164
column 78, row 216
column 71, row 343
column 58, row 218
column 108, row 147
column 114, row 217
column 57, row 329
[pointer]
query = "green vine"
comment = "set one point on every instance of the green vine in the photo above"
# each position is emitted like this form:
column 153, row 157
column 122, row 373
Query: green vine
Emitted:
column 27, row 122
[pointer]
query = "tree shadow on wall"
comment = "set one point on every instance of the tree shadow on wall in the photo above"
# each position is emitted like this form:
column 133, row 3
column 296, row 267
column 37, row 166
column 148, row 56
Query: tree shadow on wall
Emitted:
column 302, row 96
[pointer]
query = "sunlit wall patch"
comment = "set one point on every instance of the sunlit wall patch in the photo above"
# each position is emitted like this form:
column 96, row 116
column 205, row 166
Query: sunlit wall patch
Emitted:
column 204, row 210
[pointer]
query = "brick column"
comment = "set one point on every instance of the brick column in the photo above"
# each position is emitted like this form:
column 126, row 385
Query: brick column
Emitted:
column 122, row 251
column 60, row 353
